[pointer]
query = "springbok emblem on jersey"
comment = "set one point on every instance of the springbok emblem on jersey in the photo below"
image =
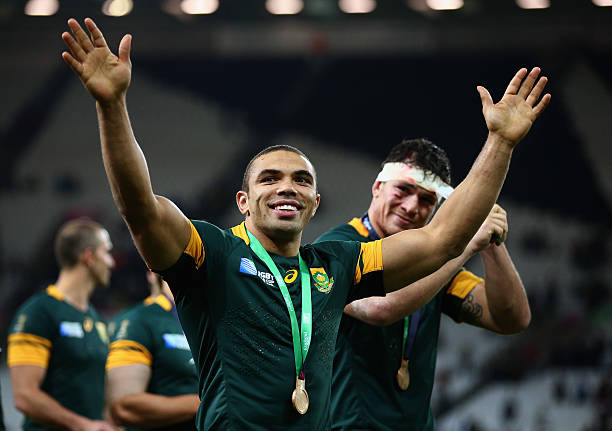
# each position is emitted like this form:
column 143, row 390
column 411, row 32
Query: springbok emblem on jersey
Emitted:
column 322, row 282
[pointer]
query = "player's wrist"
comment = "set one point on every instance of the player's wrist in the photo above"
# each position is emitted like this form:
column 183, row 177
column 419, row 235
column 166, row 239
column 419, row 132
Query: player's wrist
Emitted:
column 119, row 101
column 79, row 423
column 501, row 142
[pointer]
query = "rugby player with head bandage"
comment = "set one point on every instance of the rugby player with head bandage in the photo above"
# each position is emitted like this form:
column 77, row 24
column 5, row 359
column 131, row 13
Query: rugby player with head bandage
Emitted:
column 386, row 350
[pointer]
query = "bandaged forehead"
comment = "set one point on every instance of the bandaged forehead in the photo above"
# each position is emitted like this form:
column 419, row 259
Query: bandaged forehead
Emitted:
column 417, row 176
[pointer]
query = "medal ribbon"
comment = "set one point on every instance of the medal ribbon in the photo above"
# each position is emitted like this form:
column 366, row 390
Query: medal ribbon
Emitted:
column 411, row 323
column 300, row 345
column 366, row 222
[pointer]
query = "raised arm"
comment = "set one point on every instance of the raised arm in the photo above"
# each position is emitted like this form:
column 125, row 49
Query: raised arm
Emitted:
column 159, row 228
column 382, row 311
column 410, row 255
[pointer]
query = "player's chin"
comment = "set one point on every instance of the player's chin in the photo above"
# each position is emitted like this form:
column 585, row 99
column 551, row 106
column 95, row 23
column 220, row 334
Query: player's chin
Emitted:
column 289, row 226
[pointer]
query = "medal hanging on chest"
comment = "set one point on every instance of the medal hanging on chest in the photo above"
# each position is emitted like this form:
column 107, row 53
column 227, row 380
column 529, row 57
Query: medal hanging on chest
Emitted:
column 301, row 339
column 403, row 375
column 411, row 325
column 299, row 397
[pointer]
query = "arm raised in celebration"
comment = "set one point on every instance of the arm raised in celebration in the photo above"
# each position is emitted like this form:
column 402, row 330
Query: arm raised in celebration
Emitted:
column 159, row 228
column 413, row 254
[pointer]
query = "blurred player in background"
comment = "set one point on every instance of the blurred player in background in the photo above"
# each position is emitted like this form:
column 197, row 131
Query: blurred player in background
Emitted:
column 58, row 344
column 151, row 375
column 386, row 350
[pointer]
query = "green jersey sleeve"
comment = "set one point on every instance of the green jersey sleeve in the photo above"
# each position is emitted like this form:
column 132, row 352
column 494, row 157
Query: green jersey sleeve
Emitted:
column 31, row 334
column 455, row 292
column 131, row 342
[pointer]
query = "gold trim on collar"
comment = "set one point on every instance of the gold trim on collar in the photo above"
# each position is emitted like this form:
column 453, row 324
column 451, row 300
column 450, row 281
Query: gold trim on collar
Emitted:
column 240, row 232
column 359, row 227
column 54, row 292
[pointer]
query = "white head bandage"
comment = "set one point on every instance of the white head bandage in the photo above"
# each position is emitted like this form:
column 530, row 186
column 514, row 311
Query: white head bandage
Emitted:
column 417, row 176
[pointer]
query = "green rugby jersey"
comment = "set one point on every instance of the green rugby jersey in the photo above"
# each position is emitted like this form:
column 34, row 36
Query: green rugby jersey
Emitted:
column 239, row 330
column 72, row 346
column 150, row 334
column 365, row 393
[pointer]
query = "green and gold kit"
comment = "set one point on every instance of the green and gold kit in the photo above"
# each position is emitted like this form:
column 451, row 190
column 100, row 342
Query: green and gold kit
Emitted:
column 150, row 334
column 70, row 344
column 238, row 326
column 365, row 390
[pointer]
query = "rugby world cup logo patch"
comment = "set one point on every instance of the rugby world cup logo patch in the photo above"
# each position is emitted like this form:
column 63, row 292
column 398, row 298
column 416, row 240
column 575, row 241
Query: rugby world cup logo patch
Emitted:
column 322, row 282
column 247, row 266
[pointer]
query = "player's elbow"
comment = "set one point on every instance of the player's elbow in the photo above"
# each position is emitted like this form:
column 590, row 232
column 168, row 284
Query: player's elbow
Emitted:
column 21, row 400
column 121, row 415
column 522, row 321
column 381, row 314
column 518, row 323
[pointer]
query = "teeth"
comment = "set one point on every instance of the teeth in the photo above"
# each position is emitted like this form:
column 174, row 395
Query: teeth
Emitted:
column 286, row 207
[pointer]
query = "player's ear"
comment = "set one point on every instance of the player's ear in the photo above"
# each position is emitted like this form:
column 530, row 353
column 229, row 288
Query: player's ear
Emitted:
column 376, row 187
column 242, row 200
column 86, row 255
column 317, row 202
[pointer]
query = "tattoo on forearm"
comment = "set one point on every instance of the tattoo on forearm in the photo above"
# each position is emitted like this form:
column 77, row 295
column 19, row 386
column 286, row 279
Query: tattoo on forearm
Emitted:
column 471, row 312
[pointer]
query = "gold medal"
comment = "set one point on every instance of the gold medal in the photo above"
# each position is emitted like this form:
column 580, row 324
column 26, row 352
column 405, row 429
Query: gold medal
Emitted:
column 403, row 375
column 299, row 398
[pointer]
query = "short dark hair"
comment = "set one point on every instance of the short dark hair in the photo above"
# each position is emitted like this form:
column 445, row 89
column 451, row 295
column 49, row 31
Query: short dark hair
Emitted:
column 73, row 238
column 424, row 154
column 270, row 149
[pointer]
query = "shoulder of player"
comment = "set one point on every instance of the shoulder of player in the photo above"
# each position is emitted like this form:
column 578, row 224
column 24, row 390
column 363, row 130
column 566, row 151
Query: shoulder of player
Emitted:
column 38, row 301
column 211, row 234
column 337, row 249
column 345, row 232
column 138, row 311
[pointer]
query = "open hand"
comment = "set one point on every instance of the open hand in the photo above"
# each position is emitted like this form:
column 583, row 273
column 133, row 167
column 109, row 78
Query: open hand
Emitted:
column 512, row 117
column 103, row 74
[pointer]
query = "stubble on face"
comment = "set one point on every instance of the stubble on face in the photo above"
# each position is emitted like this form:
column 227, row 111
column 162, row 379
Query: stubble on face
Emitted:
column 282, row 195
column 398, row 206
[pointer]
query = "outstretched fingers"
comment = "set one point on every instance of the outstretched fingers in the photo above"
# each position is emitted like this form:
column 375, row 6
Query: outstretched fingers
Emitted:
column 75, row 65
column 540, row 107
column 80, row 35
column 528, row 83
column 75, row 48
column 515, row 83
column 96, row 34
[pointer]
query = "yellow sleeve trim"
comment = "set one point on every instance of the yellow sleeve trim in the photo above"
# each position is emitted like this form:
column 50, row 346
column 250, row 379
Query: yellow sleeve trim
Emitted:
column 359, row 227
column 127, row 352
column 370, row 259
column 240, row 232
column 54, row 292
column 28, row 349
column 195, row 248
column 463, row 283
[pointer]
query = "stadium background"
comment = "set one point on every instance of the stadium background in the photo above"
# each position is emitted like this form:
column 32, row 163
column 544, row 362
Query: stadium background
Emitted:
column 208, row 91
